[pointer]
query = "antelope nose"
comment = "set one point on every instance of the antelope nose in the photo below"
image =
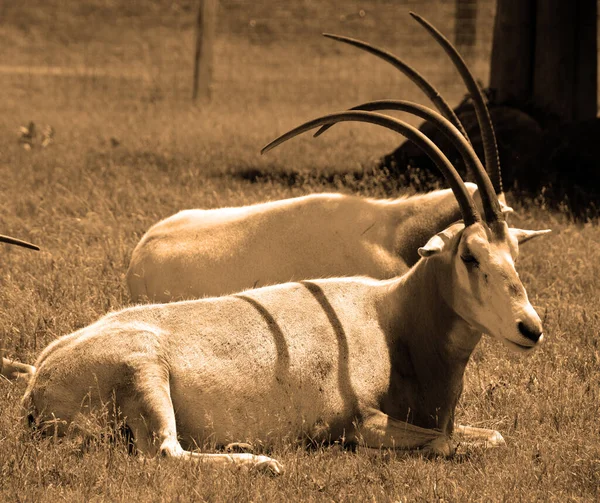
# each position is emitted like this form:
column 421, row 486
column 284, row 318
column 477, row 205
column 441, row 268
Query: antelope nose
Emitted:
column 531, row 331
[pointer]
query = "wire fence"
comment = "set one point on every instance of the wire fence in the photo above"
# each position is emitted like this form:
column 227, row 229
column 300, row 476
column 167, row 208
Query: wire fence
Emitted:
column 142, row 50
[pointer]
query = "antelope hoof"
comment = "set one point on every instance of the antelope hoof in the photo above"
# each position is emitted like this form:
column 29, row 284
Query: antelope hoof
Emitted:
column 268, row 465
column 495, row 440
column 239, row 447
column 441, row 446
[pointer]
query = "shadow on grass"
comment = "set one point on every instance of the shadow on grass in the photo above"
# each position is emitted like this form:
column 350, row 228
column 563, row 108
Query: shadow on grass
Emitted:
column 371, row 180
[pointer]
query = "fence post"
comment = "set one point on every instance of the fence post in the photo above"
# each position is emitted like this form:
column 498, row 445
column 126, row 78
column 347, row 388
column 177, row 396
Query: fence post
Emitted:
column 203, row 57
column 465, row 29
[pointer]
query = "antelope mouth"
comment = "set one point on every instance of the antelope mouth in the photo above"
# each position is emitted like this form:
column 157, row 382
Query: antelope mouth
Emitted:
column 523, row 347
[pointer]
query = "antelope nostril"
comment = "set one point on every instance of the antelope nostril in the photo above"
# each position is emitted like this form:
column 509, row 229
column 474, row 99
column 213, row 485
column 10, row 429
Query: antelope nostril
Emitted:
column 531, row 333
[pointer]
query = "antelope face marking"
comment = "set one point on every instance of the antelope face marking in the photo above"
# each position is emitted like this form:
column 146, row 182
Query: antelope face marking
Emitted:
column 490, row 295
column 485, row 289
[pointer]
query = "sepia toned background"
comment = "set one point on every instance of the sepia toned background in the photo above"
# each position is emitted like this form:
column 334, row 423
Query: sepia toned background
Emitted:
column 113, row 79
column 143, row 49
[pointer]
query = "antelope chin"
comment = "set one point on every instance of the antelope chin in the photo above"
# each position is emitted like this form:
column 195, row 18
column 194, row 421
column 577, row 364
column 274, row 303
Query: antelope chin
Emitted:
column 518, row 347
column 522, row 348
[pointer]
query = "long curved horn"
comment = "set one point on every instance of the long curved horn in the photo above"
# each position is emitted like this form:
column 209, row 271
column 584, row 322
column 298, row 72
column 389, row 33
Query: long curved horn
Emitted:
column 431, row 92
column 465, row 202
column 488, row 138
column 490, row 204
column 18, row 242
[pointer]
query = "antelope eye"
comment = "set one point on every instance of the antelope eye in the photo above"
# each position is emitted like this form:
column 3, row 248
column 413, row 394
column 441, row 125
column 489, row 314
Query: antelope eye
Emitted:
column 469, row 259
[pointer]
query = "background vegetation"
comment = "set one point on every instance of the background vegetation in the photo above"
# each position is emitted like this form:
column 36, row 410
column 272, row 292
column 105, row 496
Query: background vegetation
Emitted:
column 113, row 80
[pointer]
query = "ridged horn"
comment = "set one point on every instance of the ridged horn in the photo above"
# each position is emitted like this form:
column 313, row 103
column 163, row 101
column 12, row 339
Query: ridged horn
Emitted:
column 421, row 82
column 18, row 242
column 488, row 138
column 447, row 128
column 465, row 202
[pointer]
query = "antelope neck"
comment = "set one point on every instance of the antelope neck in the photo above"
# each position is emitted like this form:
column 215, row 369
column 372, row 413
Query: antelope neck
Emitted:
column 420, row 219
column 429, row 346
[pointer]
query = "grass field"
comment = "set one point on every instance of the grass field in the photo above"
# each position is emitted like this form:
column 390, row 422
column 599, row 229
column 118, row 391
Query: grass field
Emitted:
column 86, row 201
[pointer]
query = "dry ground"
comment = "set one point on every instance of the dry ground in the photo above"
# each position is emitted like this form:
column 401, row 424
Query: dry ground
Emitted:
column 87, row 201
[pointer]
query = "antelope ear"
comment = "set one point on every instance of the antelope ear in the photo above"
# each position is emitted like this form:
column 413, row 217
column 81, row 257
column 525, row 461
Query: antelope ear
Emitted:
column 437, row 243
column 523, row 235
column 506, row 210
column 433, row 246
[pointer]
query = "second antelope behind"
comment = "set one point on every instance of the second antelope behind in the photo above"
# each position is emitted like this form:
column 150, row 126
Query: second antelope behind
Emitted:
column 202, row 253
column 374, row 362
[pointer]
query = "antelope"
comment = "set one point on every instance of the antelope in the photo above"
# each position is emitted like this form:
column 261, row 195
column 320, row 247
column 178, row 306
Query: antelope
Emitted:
column 199, row 253
column 8, row 368
column 374, row 362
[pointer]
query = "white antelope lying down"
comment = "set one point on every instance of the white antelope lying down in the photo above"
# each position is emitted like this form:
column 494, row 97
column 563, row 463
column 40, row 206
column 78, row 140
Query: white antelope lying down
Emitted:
column 202, row 253
column 320, row 359
column 198, row 253
column 8, row 368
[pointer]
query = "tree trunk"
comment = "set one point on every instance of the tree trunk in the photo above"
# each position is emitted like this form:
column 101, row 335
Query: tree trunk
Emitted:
column 586, row 67
column 555, row 57
column 511, row 72
column 544, row 58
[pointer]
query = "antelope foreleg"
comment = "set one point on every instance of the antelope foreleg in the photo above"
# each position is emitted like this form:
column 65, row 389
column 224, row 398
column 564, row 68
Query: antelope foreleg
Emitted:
column 478, row 436
column 378, row 430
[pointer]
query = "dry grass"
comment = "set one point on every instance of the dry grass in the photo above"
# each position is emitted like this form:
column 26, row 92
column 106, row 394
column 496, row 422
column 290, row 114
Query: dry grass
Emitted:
column 87, row 202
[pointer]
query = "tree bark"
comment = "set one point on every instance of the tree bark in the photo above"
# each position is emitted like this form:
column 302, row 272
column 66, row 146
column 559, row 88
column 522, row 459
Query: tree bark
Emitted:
column 544, row 58
column 511, row 72
column 586, row 66
column 555, row 57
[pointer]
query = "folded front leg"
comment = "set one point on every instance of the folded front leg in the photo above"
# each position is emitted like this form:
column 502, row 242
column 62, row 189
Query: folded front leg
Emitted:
column 478, row 436
column 378, row 430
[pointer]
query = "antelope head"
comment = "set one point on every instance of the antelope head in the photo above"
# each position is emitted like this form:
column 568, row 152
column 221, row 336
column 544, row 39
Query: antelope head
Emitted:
column 483, row 286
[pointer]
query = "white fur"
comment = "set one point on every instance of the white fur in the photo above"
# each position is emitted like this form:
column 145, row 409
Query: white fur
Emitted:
column 202, row 253
column 323, row 359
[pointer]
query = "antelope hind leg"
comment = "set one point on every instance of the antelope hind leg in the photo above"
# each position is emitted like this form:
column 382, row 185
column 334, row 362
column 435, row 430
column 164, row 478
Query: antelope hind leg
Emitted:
column 379, row 430
column 478, row 436
column 150, row 416
column 251, row 461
